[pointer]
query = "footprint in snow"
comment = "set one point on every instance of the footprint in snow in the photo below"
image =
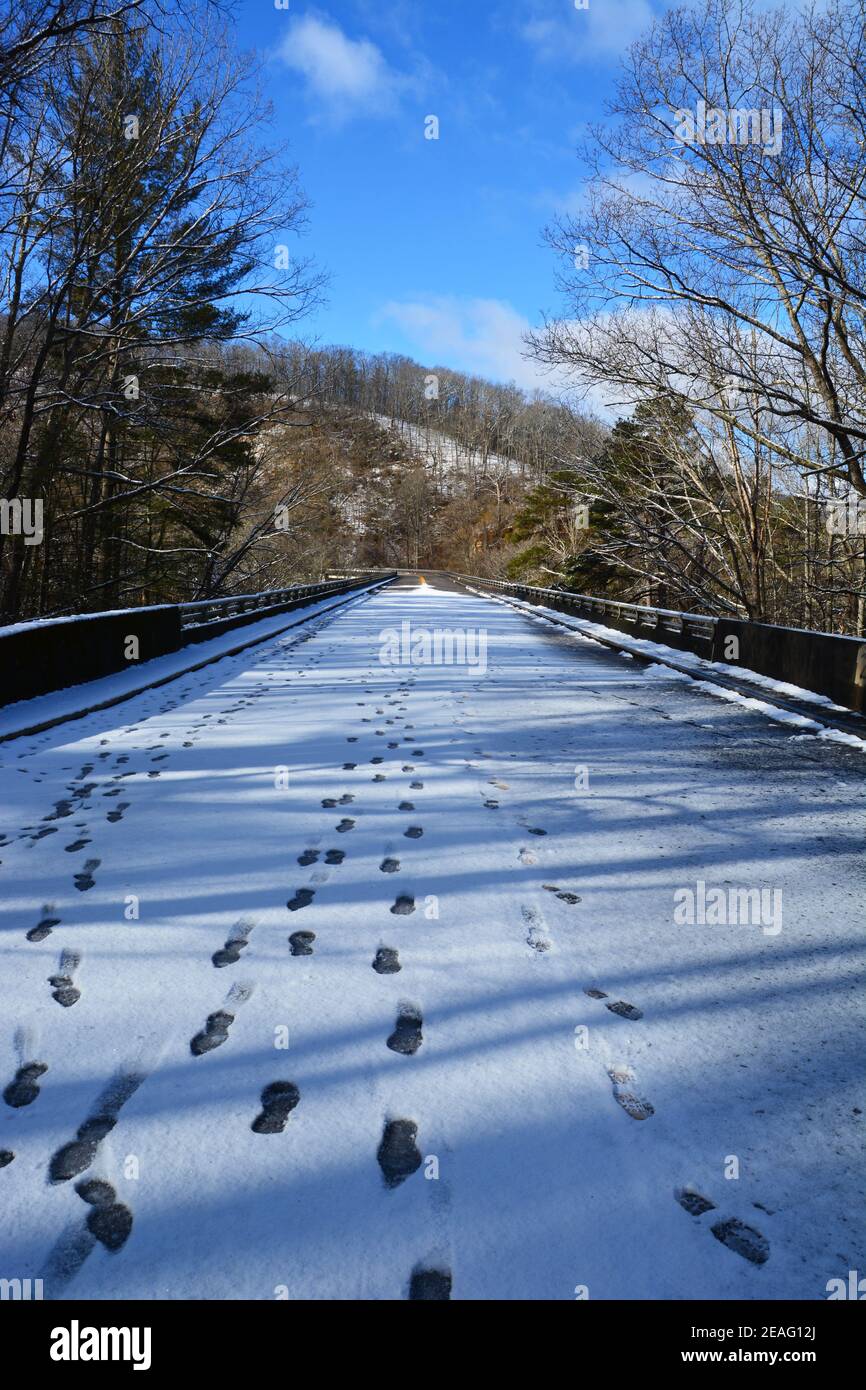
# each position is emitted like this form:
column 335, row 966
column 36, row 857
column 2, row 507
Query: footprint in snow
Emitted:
column 398, row 1154
column 618, row 1006
column 303, row 897
column 564, row 895
column 108, row 1220
column 84, row 879
column 63, row 987
column 74, row 1158
column 404, row 906
column 429, row 1285
column 624, row 1010
column 407, row 1036
column 217, row 1025
column 214, row 1033
column 345, row 825
column 743, row 1240
column 537, row 937
column 45, row 925
column 23, row 1090
column 279, row 1099
column 736, row 1235
column 625, row 1095
column 387, row 961
column 238, row 940
column 301, row 943
column 693, row 1202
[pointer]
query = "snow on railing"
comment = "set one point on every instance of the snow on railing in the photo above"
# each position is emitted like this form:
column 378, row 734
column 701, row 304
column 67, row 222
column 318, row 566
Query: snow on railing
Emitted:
column 699, row 626
column 210, row 610
column 826, row 663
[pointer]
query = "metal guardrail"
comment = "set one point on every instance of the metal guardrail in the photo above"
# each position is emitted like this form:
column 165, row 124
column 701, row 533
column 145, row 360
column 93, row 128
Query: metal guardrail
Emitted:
column 38, row 658
column 687, row 627
column 216, row 609
column 823, row 662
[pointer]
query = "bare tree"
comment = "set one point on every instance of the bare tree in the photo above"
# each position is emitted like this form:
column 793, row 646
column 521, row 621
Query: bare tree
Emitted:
column 720, row 250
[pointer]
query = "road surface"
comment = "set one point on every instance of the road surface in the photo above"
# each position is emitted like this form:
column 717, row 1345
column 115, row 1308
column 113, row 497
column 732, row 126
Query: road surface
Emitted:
column 325, row 977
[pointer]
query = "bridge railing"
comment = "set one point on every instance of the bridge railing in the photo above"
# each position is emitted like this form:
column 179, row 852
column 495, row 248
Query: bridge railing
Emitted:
column 41, row 656
column 206, row 611
column 823, row 662
column 688, row 631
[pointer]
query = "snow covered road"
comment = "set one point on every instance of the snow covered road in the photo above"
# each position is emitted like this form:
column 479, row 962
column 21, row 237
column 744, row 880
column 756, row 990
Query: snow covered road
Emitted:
column 319, row 973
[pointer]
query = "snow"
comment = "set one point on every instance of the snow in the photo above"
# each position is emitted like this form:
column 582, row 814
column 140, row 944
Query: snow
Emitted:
column 13, row 628
column 536, row 1180
column 26, row 716
column 698, row 665
column 446, row 455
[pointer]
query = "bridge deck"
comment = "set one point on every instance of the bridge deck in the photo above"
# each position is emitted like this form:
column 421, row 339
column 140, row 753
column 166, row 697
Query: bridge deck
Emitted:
column 583, row 1056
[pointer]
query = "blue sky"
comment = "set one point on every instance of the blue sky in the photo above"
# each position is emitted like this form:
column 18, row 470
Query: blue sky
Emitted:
column 435, row 246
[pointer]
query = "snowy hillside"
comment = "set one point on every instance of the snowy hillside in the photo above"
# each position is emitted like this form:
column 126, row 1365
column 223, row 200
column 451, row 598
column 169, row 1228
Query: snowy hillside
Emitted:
column 447, row 459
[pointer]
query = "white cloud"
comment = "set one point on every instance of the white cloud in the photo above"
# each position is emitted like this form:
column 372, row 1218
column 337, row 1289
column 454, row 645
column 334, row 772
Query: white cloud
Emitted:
column 606, row 27
column 344, row 75
column 484, row 336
